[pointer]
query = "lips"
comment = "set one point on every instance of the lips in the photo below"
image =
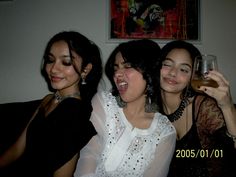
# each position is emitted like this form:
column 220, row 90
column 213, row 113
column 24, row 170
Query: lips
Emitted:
column 122, row 86
column 55, row 79
column 170, row 81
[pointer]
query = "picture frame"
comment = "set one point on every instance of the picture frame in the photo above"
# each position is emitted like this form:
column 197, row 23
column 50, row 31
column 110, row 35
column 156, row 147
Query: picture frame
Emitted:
column 161, row 20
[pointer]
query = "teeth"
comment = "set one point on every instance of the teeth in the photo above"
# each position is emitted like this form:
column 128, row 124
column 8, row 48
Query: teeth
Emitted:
column 122, row 83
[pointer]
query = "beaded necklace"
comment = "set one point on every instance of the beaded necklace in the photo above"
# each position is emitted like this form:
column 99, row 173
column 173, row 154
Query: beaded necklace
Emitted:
column 179, row 111
column 59, row 98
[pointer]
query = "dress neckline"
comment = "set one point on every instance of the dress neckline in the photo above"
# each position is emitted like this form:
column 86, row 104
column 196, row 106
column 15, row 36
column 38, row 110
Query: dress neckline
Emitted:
column 145, row 131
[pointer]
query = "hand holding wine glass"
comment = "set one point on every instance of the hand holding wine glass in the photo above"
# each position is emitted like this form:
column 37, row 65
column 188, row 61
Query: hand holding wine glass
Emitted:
column 202, row 66
column 205, row 73
column 207, row 79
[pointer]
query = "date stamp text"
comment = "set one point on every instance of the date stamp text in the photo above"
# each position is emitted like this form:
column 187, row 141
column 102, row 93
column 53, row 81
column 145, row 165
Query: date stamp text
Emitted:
column 199, row 153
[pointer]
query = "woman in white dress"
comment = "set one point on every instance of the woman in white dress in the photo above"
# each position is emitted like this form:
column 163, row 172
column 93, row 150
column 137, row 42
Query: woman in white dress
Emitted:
column 133, row 139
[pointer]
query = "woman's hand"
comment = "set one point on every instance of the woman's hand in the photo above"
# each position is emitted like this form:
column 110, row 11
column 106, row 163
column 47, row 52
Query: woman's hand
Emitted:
column 222, row 92
column 224, row 100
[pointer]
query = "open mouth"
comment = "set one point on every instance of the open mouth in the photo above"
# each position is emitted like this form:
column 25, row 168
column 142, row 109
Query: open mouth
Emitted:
column 122, row 87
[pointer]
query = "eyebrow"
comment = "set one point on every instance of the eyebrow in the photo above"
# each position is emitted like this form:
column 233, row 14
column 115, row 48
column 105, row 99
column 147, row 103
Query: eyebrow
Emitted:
column 185, row 64
column 62, row 56
column 115, row 64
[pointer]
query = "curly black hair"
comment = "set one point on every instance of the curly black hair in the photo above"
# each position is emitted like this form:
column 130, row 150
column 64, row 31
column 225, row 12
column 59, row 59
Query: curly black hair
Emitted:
column 143, row 55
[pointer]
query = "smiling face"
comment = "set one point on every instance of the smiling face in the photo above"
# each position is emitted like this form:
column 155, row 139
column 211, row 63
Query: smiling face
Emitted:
column 176, row 71
column 129, row 81
column 60, row 69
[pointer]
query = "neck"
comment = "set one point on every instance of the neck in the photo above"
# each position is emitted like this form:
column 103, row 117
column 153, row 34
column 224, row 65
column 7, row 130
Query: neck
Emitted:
column 174, row 106
column 60, row 98
column 136, row 107
column 171, row 102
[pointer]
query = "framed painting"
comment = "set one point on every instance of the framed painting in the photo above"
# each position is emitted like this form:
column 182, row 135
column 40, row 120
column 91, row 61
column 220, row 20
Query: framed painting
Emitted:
column 154, row 19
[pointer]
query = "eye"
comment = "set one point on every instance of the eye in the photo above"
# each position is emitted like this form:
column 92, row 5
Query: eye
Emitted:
column 166, row 63
column 49, row 60
column 127, row 65
column 185, row 69
column 115, row 68
column 67, row 61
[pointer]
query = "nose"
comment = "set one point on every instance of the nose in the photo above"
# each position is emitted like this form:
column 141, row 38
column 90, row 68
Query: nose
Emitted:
column 55, row 67
column 119, row 73
column 173, row 72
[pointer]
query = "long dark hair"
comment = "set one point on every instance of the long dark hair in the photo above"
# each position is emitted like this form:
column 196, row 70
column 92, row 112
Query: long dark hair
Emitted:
column 88, row 51
column 143, row 55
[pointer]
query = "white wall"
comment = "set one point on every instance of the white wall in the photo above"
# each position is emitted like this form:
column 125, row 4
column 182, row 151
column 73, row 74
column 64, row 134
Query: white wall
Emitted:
column 26, row 26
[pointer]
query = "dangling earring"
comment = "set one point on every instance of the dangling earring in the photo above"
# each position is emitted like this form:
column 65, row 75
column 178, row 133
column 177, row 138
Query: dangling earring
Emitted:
column 83, row 78
column 149, row 106
column 120, row 102
column 83, row 81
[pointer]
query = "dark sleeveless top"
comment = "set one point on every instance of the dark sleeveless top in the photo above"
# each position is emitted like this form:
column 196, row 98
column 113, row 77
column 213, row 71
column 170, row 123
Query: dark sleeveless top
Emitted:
column 53, row 140
column 183, row 162
column 216, row 154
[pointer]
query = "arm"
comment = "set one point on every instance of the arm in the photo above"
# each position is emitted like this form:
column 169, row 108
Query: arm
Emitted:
column 67, row 169
column 224, row 100
column 15, row 151
column 87, row 162
column 164, row 152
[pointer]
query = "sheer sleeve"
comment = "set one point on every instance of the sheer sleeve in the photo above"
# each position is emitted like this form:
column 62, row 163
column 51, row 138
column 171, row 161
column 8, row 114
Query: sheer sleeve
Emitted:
column 209, row 120
column 87, row 162
column 163, row 155
column 98, row 116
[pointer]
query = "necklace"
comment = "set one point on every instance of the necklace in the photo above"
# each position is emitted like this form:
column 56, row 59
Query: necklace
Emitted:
column 59, row 98
column 179, row 111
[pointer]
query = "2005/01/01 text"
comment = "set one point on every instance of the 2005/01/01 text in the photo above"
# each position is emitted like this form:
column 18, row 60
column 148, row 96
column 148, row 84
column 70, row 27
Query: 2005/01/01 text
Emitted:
column 199, row 153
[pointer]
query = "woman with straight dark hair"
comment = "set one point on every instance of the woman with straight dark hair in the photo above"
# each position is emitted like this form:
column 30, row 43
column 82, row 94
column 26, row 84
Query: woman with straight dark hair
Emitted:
column 205, row 122
column 50, row 143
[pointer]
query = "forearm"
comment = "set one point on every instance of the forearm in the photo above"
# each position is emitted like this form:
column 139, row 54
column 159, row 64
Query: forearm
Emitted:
column 14, row 152
column 9, row 156
column 230, row 120
column 87, row 163
column 67, row 169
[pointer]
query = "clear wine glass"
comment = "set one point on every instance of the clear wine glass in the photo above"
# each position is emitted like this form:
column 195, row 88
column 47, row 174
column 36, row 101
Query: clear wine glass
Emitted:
column 202, row 65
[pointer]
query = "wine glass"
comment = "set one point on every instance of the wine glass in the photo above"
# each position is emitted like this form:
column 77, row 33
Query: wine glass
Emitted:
column 202, row 65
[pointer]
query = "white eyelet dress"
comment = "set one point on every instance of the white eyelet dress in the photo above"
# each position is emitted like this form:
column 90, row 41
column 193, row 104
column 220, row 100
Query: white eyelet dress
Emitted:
column 123, row 150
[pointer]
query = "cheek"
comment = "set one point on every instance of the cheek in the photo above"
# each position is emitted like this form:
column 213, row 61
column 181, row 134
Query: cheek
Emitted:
column 137, row 79
column 47, row 69
column 163, row 72
column 185, row 79
column 70, row 72
column 132, row 75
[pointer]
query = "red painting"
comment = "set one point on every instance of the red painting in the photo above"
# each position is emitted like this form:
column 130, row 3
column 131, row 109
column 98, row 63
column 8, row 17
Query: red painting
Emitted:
column 156, row 19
